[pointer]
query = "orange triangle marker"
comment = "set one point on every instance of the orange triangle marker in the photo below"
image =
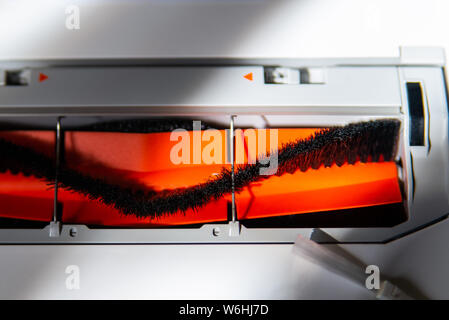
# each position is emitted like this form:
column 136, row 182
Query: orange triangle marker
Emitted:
column 42, row 77
column 249, row 76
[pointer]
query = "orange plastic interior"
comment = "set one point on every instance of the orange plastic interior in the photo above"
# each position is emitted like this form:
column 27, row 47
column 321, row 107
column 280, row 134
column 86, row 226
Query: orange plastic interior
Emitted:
column 143, row 160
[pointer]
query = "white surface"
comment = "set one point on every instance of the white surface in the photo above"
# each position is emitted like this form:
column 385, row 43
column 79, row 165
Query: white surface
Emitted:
column 246, row 28
column 168, row 272
column 250, row 28
column 210, row 271
column 217, row 271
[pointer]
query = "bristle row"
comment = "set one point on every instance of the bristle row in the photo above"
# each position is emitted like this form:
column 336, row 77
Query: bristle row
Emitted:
column 368, row 141
column 365, row 141
column 142, row 125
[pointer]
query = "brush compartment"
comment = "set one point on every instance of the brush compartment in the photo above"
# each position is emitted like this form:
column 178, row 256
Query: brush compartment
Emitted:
column 353, row 195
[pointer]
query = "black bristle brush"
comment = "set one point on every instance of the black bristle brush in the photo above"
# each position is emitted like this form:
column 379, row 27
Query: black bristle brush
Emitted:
column 364, row 141
column 143, row 125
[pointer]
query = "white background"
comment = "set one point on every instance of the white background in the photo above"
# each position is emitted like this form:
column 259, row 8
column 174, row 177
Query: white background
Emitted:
column 231, row 28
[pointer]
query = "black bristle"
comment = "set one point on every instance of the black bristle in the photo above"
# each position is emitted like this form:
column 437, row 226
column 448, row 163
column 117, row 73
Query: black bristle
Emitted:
column 142, row 125
column 364, row 141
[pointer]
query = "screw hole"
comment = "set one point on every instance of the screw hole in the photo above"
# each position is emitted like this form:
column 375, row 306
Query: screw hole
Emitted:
column 73, row 232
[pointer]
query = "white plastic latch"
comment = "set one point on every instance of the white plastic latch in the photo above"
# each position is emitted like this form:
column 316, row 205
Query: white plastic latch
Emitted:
column 234, row 228
column 55, row 229
column 282, row 76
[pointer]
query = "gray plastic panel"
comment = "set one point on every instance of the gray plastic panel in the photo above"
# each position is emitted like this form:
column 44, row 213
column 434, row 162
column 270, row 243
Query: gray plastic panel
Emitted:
column 200, row 90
